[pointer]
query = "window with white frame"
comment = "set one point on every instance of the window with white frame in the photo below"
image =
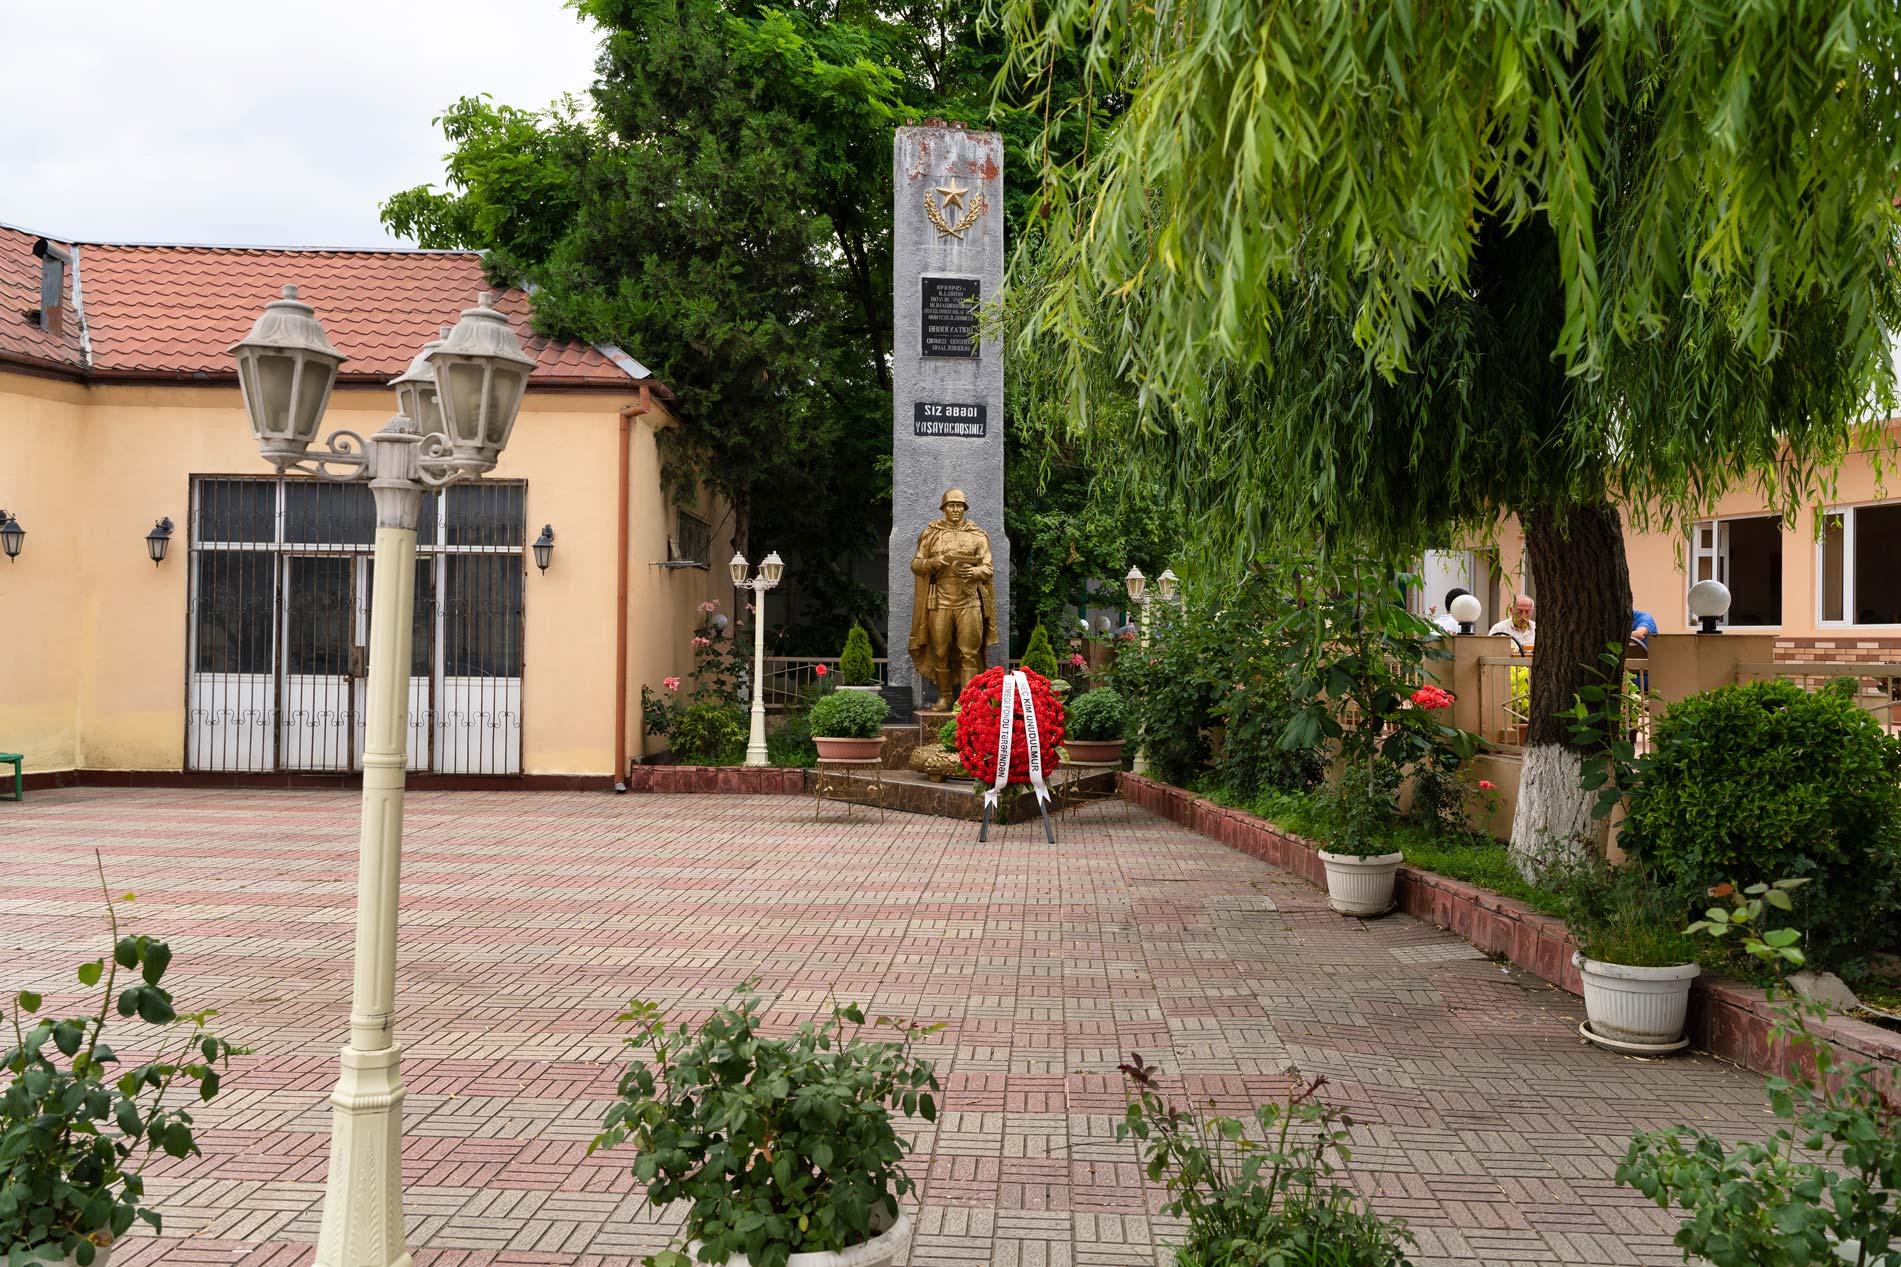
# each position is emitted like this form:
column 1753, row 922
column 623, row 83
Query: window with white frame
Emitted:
column 1858, row 568
column 1745, row 554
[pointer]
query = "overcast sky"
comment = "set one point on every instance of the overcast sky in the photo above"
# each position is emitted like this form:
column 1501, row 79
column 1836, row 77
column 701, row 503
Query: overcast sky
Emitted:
column 273, row 124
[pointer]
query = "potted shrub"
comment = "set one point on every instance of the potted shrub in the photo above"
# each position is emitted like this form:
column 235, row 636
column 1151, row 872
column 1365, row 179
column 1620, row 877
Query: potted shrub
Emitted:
column 1095, row 727
column 1634, row 958
column 849, row 725
column 786, row 1148
column 75, row 1132
column 1039, row 654
column 856, row 671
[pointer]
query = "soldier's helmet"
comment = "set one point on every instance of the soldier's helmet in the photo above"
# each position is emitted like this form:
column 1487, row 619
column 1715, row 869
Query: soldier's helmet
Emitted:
column 954, row 495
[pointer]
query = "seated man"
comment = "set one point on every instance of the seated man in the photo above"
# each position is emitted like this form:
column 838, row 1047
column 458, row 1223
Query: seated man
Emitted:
column 1519, row 626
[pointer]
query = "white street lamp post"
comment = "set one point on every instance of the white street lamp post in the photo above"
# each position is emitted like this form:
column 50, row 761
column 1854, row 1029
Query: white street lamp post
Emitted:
column 470, row 387
column 770, row 569
column 1137, row 586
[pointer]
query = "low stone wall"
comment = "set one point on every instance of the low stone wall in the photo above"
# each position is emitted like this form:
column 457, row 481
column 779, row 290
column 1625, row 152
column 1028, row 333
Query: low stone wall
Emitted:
column 736, row 779
column 1728, row 1018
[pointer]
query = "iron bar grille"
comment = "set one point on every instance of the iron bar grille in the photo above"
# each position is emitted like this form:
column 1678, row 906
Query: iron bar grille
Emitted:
column 695, row 538
column 282, row 572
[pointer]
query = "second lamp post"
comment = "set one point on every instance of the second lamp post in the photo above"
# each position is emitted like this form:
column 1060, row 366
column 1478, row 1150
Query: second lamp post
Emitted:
column 1137, row 585
column 770, row 569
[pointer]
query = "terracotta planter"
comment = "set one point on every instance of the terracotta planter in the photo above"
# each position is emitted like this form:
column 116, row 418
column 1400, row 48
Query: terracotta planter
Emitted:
column 882, row 1250
column 1361, row 886
column 849, row 749
column 1635, row 1007
column 1094, row 751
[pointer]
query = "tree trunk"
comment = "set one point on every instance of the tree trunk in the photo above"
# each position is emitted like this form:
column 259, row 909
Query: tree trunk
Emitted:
column 1583, row 609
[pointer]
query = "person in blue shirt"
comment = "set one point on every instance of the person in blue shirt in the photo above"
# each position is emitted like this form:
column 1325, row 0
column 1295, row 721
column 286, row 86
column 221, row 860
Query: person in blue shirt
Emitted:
column 1642, row 625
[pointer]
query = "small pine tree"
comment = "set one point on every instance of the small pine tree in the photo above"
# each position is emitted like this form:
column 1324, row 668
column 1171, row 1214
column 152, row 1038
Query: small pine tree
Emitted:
column 1039, row 655
column 855, row 665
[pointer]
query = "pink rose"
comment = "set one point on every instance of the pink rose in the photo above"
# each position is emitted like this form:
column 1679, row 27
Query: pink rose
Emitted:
column 702, row 642
column 820, row 669
column 672, row 684
column 710, row 605
column 1077, row 662
column 1486, row 785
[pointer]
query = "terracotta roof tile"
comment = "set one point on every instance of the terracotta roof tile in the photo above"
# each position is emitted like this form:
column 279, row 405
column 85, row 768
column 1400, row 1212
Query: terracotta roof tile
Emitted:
column 174, row 310
column 20, row 336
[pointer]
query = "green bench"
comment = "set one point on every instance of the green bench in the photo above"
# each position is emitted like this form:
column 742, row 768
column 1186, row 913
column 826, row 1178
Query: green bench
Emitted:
column 19, row 780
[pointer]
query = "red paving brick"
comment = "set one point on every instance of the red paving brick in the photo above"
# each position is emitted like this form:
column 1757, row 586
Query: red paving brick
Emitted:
column 529, row 919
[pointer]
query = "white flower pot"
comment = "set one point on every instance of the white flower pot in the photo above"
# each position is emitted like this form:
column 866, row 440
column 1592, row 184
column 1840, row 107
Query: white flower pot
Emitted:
column 1361, row 886
column 882, row 1250
column 1636, row 1007
column 100, row 1256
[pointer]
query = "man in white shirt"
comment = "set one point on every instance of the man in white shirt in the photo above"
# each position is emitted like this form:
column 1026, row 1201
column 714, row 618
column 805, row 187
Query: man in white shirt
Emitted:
column 1444, row 618
column 1519, row 626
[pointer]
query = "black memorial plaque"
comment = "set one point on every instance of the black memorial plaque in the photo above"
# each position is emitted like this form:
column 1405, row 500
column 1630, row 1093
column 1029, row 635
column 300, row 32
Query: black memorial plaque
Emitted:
column 949, row 316
column 931, row 419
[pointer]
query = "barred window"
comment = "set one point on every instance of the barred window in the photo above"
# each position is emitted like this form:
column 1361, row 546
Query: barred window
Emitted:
column 694, row 538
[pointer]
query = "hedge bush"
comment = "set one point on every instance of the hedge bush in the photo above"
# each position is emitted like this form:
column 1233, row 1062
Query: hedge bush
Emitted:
column 850, row 715
column 707, row 733
column 1098, row 716
column 1039, row 654
column 854, row 664
column 1763, row 781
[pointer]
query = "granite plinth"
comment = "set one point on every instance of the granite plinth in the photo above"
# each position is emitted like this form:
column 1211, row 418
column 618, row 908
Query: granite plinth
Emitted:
column 912, row 793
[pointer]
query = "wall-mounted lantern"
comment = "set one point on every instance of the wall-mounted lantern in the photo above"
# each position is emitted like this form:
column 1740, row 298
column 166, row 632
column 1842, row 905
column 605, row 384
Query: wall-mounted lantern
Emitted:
column 159, row 540
column 12, row 535
column 544, row 547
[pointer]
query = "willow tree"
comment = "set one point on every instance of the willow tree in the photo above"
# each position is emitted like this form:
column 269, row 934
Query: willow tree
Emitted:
column 1396, row 270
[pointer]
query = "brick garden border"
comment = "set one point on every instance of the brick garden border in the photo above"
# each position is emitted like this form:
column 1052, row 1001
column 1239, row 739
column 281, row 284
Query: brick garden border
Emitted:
column 1728, row 1018
column 736, row 779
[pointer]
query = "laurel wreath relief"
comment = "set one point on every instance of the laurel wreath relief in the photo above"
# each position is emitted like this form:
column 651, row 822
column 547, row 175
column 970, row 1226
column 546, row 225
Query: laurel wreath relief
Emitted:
column 944, row 227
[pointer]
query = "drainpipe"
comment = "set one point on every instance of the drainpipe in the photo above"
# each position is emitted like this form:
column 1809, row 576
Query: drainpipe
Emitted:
column 627, row 415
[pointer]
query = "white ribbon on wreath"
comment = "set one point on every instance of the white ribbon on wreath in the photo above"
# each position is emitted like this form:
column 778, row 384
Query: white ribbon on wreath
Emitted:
column 1015, row 685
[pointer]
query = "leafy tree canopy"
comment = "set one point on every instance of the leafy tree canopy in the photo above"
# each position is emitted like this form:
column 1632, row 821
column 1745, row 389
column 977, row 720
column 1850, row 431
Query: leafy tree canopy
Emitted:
column 1391, row 267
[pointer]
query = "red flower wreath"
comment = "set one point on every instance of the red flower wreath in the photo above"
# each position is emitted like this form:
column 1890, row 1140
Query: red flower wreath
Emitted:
column 979, row 722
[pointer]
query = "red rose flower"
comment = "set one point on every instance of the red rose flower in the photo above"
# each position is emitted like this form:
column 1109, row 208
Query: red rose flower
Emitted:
column 979, row 724
column 1432, row 697
column 820, row 669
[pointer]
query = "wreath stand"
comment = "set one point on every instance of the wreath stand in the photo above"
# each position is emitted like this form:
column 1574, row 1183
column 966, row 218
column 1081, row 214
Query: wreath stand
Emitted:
column 1049, row 832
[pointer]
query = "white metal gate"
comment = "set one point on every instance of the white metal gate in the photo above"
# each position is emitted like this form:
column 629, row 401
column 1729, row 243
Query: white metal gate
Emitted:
column 281, row 578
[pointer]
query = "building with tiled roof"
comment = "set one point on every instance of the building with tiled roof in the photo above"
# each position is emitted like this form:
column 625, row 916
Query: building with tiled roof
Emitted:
column 239, row 657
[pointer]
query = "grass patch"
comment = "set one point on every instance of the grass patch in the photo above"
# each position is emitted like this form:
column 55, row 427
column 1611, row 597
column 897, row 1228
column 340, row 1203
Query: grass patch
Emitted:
column 1469, row 857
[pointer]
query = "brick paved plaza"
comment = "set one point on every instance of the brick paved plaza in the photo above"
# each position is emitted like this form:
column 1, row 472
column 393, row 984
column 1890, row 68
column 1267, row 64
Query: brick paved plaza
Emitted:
column 529, row 918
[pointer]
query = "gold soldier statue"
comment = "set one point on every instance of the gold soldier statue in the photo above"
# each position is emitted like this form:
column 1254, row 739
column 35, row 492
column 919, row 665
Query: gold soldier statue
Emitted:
column 954, row 608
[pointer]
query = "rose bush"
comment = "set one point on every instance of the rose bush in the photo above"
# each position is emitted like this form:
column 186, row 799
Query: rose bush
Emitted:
column 980, row 723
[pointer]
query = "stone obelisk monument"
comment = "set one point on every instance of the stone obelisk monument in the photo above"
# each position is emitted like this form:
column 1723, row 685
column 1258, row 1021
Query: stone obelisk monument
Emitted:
column 947, row 382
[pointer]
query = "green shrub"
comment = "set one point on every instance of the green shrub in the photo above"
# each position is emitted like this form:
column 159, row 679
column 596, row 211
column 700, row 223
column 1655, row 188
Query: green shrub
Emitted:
column 1623, row 914
column 1762, row 781
column 854, row 664
column 850, row 715
column 947, row 733
column 75, row 1132
column 776, row 1145
column 1039, row 655
column 791, row 744
column 1097, row 717
column 1271, row 1196
column 707, row 733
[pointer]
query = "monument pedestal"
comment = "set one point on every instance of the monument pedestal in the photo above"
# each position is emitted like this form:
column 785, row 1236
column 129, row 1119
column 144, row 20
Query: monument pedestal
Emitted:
column 931, row 720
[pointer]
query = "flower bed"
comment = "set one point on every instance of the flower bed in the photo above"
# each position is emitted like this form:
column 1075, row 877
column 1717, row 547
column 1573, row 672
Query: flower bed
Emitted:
column 1728, row 1018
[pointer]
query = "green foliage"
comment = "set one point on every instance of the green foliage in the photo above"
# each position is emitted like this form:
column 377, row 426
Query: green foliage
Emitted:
column 1826, row 1177
column 854, row 664
column 74, row 1139
column 850, row 715
column 780, row 1145
column 1260, row 1193
column 1039, row 655
column 1097, row 716
column 1622, row 914
column 1393, row 270
column 707, row 732
column 947, row 733
column 791, row 744
column 1355, row 657
column 1761, row 780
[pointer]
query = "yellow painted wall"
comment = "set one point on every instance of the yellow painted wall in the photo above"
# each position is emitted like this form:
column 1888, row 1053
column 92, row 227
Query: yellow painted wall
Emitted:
column 42, row 593
column 100, row 682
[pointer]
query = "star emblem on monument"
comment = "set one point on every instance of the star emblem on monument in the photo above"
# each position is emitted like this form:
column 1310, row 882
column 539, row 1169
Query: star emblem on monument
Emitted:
column 953, row 194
